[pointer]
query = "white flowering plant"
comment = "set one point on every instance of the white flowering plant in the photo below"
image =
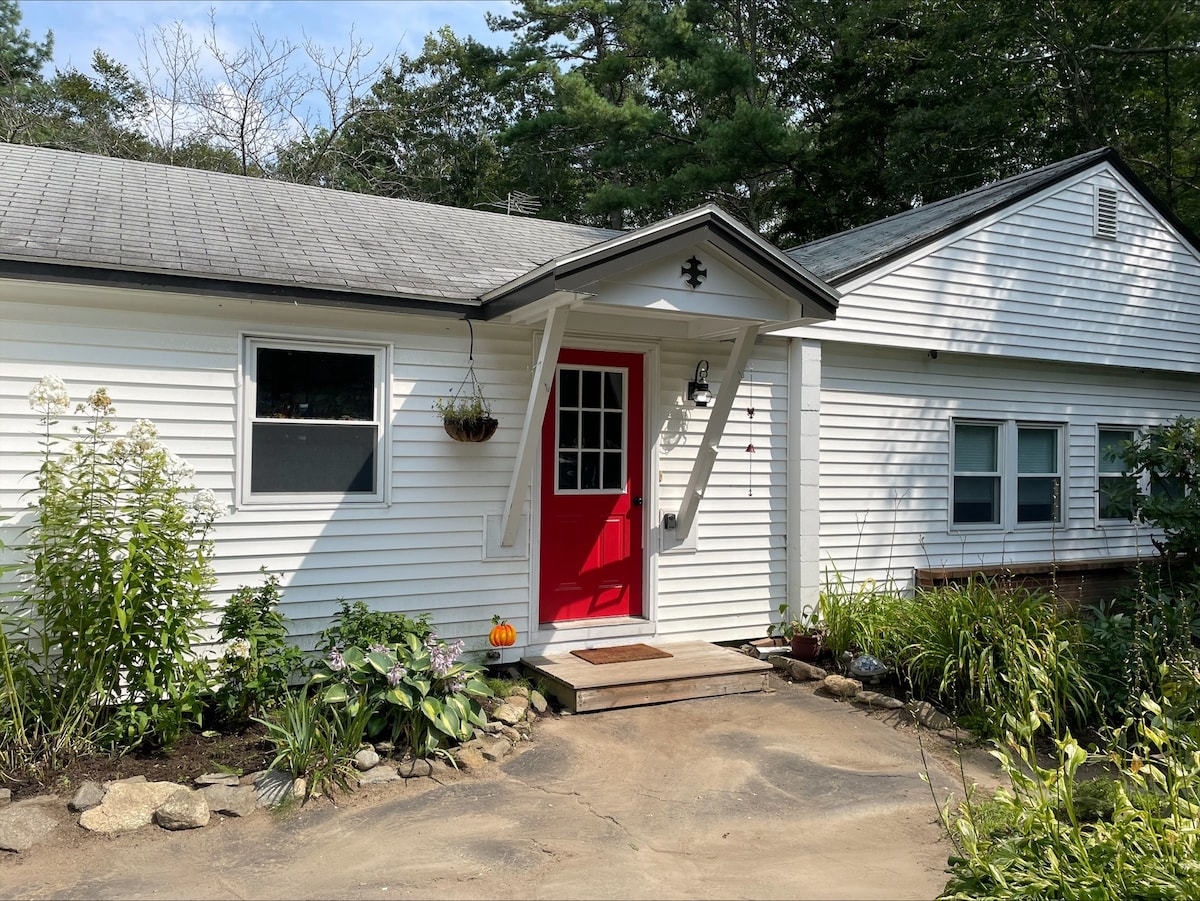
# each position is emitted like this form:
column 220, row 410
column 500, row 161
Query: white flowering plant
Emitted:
column 116, row 567
column 415, row 693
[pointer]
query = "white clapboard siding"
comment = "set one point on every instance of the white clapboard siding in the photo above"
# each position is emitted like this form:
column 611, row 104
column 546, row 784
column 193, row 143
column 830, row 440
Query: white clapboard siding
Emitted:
column 885, row 455
column 1034, row 283
column 176, row 360
column 736, row 577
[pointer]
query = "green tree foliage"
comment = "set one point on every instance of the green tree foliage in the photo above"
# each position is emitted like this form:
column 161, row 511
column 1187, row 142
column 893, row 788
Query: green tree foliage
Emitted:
column 802, row 117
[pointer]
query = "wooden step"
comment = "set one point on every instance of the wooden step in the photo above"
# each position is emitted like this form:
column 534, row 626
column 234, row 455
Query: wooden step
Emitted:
column 695, row 669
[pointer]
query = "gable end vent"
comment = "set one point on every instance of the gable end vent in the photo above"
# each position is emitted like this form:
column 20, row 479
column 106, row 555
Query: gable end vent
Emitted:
column 1106, row 213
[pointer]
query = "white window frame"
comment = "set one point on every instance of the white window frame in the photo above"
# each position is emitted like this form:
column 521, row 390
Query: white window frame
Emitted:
column 247, row 417
column 1008, row 431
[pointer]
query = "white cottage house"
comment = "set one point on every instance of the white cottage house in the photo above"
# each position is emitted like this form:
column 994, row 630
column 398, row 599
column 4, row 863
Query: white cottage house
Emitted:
column 985, row 350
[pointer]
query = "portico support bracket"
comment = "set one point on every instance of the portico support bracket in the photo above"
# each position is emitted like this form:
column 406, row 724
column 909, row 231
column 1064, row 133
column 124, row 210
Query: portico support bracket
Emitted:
column 706, row 456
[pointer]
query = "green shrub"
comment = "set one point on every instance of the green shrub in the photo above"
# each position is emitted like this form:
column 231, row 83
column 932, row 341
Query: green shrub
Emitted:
column 414, row 692
column 988, row 651
column 116, row 567
column 358, row 626
column 1050, row 836
column 258, row 662
column 1128, row 637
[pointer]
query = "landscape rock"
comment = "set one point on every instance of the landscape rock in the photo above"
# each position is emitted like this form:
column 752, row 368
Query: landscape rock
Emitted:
column 378, row 774
column 929, row 716
column 509, row 714
column 87, row 796
column 877, row 700
column 518, row 691
column 538, row 702
column 217, row 779
column 231, row 800
column 5, row 796
column 841, row 687
column 510, row 733
column 802, row 671
column 272, row 788
column 414, row 769
column 468, row 758
column 519, row 701
column 128, row 780
column 439, row 768
column 366, row 759
column 385, row 748
column 184, row 809
column 497, row 750
column 23, row 825
column 127, row 805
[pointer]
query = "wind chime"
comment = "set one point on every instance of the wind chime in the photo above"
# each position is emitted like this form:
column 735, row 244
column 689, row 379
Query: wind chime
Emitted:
column 750, row 446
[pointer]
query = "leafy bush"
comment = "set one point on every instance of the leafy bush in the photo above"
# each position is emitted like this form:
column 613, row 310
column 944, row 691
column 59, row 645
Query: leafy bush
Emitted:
column 1128, row 638
column 358, row 626
column 414, row 692
column 116, row 567
column 1133, row 837
column 1169, row 457
column 258, row 661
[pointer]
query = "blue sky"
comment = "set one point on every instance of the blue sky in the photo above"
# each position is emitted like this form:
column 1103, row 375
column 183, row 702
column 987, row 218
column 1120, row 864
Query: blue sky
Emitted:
column 82, row 26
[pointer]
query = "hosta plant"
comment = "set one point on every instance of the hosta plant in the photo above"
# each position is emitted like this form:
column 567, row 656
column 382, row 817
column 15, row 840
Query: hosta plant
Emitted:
column 418, row 694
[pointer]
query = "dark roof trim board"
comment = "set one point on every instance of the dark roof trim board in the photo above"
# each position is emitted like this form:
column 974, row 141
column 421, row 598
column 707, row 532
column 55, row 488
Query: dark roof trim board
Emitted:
column 214, row 287
column 578, row 270
column 850, row 254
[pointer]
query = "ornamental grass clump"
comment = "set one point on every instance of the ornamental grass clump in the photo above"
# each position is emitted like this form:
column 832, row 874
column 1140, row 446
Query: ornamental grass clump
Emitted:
column 98, row 645
column 416, row 693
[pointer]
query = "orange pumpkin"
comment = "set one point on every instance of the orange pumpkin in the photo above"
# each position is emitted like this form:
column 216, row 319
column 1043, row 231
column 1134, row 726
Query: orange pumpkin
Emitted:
column 502, row 635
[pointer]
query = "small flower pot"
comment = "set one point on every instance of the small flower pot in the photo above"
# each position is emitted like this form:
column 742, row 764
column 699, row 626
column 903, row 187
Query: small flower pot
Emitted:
column 806, row 647
column 476, row 430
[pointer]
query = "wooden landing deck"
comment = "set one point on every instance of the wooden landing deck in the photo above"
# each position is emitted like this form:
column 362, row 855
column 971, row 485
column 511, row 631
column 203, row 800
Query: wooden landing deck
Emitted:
column 695, row 669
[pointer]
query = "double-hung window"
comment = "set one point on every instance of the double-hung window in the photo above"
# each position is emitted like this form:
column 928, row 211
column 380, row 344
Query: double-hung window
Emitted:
column 314, row 423
column 1006, row 474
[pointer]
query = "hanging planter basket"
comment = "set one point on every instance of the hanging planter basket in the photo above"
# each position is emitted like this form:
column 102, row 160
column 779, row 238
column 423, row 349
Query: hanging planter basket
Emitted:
column 467, row 415
column 479, row 429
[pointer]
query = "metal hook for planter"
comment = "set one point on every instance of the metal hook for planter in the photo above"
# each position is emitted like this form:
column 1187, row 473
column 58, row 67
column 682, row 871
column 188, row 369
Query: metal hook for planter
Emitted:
column 476, row 389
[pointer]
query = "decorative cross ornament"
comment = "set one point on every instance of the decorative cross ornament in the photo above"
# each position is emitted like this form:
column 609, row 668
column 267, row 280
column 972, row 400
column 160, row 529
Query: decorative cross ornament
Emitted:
column 695, row 273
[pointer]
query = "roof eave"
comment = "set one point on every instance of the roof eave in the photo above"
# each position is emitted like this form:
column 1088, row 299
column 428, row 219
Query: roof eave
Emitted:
column 69, row 273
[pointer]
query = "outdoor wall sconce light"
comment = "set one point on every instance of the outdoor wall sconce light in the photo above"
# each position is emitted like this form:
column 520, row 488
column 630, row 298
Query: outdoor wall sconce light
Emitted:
column 698, row 390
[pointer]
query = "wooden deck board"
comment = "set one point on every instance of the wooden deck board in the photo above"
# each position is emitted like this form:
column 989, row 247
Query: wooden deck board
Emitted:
column 695, row 669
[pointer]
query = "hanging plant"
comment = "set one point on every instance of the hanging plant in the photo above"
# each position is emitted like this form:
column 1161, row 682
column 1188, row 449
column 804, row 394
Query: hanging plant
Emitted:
column 467, row 414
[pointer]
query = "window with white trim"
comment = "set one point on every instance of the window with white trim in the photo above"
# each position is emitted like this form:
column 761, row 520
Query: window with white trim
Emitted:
column 1006, row 474
column 314, row 417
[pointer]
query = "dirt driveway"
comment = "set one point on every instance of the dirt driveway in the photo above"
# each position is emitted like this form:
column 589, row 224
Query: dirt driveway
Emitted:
column 775, row 795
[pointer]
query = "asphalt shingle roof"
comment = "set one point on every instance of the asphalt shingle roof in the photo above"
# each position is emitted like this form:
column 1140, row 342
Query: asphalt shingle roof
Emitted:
column 847, row 253
column 82, row 210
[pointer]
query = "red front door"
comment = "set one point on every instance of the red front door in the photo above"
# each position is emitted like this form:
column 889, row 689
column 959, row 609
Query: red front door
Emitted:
column 592, row 522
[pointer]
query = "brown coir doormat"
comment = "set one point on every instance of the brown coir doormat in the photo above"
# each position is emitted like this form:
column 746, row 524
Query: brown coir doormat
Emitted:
column 624, row 653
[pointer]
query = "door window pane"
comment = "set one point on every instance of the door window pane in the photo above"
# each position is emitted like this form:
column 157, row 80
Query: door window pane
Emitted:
column 591, row 429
